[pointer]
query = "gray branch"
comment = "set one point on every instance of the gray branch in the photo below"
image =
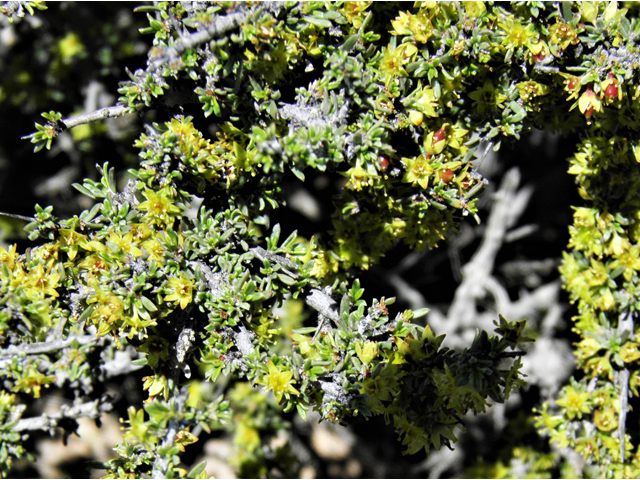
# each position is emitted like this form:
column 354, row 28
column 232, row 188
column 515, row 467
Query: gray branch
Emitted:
column 290, row 267
column 161, row 464
column 45, row 347
column 103, row 113
column 218, row 27
column 324, row 305
column 93, row 409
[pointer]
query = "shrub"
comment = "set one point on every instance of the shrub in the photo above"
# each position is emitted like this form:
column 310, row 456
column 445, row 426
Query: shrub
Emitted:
column 184, row 270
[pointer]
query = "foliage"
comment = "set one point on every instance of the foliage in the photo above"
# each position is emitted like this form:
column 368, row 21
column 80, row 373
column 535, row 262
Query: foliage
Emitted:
column 185, row 265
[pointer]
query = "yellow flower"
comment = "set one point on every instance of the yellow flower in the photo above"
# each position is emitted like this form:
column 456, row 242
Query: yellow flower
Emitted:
column 367, row 351
column 611, row 88
column 159, row 208
column 562, row 35
column 154, row 248
column 94, row 264
column 355, row 12
column 42, row 283
column 109, row 309
column 530, row 90
column 181, row 291
column 359, row 177
column 48, row 253
column 589, row 103
column 517, row 35
column 280, row 382
column 125, row 243
column 418, row 170
column 70, row 241
column 575, row 402
column 8, row 257
column 487, row 98
column 571, row 85
column 605, row 420
column 629, row 352
column 156, row 385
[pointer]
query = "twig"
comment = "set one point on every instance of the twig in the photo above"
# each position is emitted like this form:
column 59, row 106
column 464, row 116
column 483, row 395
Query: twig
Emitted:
column 290, row 267
column 106, row 112
column 19, row 217
column 161, row 464
column 218, row 27
column 92, row 409
column 324, row 305
column 509, row 205
column 46, row 347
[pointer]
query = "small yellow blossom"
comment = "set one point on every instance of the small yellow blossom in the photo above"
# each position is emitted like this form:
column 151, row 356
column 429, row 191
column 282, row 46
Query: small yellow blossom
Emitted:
column 41, row 282
column 575, row 402
column 159, row 208
column 154, row 248
column 8, row 257
column 181, row 291
column 280, row 382
column 418, row 170
column 589, row 103
column 70, row 241
column 487, row 98
column 367, row 351
column 109, row 307
column 125, row 243
column 606, row 419
column 562, row 35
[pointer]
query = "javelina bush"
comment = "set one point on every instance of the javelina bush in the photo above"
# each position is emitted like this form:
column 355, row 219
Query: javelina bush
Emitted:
column 183, row 272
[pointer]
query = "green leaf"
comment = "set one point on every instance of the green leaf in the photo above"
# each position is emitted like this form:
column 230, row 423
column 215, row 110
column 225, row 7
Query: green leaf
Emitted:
column 83, row 190
column 349, row 43
column 197, row 470
column 318, row 22
column 421, row 312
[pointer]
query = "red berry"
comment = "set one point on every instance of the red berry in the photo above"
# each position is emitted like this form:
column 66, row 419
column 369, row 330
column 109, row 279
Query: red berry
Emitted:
column 384, row 163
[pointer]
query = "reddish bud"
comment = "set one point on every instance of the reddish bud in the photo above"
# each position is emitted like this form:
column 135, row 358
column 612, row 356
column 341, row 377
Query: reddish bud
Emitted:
column 572, row 84
column 447, row 175
column 612, row 91
column 588, row 112
column 384, row 163
column 438, row 136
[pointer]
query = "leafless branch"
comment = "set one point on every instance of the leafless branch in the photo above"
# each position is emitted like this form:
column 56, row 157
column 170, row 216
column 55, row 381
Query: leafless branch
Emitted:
column 45, row 347
column 101, row 114
column 323, row 304
column 93, row 409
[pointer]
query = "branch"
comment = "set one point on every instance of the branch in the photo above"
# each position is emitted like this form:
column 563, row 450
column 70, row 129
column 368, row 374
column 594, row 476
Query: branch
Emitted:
column 45, row 347
column 161, row 464
column 509, row 205
column 45, row 421
column 218, row 27
column 324, row 305
column 107, row 112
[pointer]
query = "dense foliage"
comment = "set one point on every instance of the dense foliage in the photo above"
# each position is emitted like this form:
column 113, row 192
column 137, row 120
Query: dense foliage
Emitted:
column 184, row 269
